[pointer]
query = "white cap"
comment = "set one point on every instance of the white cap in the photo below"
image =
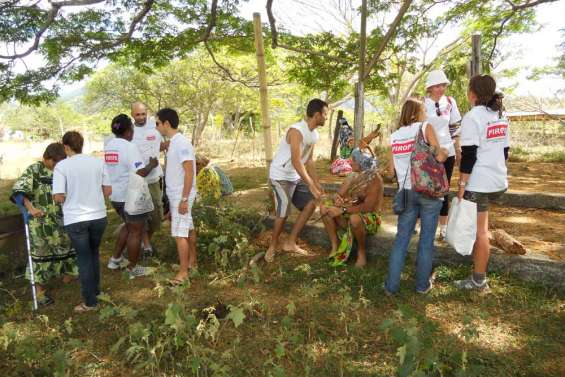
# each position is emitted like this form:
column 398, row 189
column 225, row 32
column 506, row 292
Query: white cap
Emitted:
column 435, row 78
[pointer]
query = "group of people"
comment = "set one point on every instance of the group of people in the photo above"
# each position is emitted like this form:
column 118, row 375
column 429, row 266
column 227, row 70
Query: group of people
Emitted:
column 65, row 195
column 478, row 142
column 65, row 192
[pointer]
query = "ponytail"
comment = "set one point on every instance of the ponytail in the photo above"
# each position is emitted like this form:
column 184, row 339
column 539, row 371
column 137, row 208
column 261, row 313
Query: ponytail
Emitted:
column 495, row 103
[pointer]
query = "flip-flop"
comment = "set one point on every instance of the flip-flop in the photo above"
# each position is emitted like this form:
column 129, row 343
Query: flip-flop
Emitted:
column 82, row 308
column 270, row 257
column 176, row 282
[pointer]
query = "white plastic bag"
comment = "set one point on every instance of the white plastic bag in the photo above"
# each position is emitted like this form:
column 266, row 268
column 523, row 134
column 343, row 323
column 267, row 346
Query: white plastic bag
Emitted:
column 138, row 197
column 462, row 226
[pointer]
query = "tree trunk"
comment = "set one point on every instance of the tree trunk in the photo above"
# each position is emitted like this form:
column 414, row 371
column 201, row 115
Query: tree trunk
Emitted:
column 336, row 135
column 202, row 120
column 360, row 87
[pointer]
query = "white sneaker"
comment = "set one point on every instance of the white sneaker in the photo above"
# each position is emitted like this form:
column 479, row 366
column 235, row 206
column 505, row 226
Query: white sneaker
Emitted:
column 139, row 271
column 116, row 264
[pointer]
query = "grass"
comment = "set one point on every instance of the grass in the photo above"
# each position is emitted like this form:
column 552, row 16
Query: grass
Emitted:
column 301, row 318
column 537, row 154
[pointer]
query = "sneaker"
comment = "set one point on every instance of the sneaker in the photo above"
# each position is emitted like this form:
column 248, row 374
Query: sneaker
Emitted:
column 117, row 263
column 430, row 287
column 148, row 253
column 139, row 271
column 470, row 283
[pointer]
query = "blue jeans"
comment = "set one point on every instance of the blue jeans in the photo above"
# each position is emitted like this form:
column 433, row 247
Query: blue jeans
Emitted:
column 86, row 237
column 428, row 210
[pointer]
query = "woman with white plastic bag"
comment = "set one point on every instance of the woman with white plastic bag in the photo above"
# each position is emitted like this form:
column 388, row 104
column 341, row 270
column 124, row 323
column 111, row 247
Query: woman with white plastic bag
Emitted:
column 483, row 173
column 130, row 194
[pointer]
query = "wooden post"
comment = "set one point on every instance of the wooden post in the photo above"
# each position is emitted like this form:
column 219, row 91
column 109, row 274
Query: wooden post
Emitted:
column 476, row 68
column 265, row 121
column 336, row 135
column 360, row 87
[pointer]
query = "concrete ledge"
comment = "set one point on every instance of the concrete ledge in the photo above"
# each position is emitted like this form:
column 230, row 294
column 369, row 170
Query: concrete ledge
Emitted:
column 510, row 198
column 531, row 267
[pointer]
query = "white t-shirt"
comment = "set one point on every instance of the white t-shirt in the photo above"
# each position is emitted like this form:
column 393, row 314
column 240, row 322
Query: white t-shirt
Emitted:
column 449, row 115
column 148, row 140
column 402, row 144
column 281, row 167
column 80, row 178
column 180, row 150
column 121, row 158
column 483, row 128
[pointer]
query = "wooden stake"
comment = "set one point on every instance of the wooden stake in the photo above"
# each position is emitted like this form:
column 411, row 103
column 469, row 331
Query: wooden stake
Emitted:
column 265, row 120
column 336, row 135
column 476, row 68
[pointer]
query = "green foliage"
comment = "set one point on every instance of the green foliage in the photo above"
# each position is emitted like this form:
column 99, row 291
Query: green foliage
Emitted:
column 73, row 42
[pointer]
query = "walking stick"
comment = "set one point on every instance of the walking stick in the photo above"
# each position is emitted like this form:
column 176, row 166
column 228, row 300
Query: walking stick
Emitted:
column 19, row 199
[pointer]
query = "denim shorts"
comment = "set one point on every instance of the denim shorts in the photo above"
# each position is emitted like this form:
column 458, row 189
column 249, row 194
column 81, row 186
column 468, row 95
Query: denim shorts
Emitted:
column 482, row 199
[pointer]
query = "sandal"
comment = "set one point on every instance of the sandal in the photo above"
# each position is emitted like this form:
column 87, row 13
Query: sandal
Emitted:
column 174, row 282
column 82, row 307
column 269, row 257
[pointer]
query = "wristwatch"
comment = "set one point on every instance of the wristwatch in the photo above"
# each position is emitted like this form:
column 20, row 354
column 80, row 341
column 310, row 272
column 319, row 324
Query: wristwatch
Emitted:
column 462, row 184
column 185, row 199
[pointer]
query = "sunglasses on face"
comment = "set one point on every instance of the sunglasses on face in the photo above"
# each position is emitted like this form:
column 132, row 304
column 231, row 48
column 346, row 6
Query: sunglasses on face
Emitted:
column 437, row 109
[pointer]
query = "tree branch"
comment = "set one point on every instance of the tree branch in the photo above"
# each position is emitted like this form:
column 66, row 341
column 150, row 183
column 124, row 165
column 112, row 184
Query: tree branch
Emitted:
column 387, row 37
column 514, row 9
column 275, row 43
column 51, row 15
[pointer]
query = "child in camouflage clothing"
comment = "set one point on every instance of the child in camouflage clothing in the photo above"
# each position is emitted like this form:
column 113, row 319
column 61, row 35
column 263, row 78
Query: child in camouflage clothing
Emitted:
column 51, row 252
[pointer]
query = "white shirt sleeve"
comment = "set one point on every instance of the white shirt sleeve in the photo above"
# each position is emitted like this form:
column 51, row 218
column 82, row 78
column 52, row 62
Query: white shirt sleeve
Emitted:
column 59, row 181
column 186, row 153
column 454, row 115
column 469, row 133
column 105, row 176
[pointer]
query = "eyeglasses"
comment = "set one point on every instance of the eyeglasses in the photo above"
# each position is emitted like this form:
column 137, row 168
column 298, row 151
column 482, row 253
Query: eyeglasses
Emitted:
column 438, row 113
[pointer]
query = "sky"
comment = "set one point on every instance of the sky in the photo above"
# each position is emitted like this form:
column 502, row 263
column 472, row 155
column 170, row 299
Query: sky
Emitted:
column 525, row 51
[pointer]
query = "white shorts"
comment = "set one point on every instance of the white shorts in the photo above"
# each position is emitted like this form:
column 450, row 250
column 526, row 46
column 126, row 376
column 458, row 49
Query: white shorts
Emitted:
column 181, row 225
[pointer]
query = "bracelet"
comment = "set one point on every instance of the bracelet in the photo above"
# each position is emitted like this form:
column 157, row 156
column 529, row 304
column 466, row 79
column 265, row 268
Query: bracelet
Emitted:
column 462, row 184
column 343, row 210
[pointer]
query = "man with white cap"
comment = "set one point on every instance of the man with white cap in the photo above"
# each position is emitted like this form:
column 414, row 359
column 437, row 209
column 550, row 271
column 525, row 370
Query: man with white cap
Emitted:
column 444, row 116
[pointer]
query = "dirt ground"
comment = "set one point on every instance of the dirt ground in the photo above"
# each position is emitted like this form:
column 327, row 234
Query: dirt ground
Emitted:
column 542, row 177
column 541, row 231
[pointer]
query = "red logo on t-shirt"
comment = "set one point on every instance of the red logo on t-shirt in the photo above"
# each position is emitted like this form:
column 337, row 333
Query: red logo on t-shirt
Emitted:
column 496, row 130
column 111, row 157
column 151, row 138
column 402, row 148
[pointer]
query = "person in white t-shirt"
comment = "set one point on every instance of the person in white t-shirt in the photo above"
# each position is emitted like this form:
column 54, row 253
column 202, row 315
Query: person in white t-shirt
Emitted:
column 150, row 143
column 180, row 176
column 415, row 205
column 293, row 176
column 483, row 174
column 122, row 157
column 81, row 182
column 443, row 114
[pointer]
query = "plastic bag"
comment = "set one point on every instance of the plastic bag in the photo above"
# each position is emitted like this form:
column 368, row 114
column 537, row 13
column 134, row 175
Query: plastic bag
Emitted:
column 462, row 226
column 341, row 166
column 138, row 197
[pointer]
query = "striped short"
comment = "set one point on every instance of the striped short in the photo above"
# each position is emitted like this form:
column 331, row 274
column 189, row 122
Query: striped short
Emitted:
column 290, row 192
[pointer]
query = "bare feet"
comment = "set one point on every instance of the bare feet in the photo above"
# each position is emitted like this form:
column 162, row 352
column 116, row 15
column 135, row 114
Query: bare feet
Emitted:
column 294, row 248
column 361, row 262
